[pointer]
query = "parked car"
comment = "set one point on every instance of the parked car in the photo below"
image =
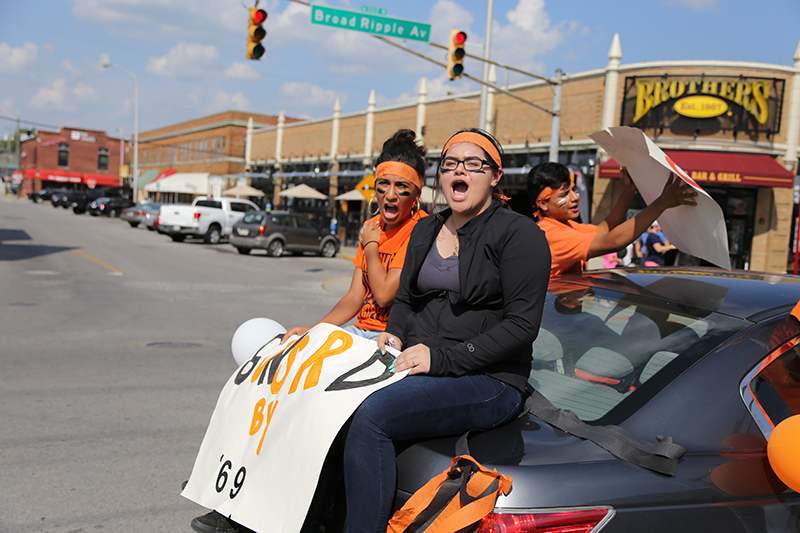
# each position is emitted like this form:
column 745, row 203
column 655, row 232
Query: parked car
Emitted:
column 209, row 218
column 136, row 214
column 110, row 207
column 62, row 198
column 44, row 195
column 81, row 199
column 279, row 231
column 708, row 357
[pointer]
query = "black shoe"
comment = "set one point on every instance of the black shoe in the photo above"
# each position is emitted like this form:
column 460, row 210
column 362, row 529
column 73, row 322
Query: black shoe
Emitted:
column 214, row 522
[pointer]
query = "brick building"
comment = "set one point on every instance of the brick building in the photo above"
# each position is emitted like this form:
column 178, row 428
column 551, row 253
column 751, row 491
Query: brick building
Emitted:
column 71, row 158
column 745, row 156
column 210, row 150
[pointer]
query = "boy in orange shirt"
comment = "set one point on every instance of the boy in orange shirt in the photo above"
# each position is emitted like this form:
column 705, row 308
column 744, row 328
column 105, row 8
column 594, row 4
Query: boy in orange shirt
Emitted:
column 554, row 196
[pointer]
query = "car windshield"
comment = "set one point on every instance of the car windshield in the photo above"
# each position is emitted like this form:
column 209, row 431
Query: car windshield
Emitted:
column 253, row 218
column 599, row 349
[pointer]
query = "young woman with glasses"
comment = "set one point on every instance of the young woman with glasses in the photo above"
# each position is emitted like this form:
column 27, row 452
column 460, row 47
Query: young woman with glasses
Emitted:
column 465, row 314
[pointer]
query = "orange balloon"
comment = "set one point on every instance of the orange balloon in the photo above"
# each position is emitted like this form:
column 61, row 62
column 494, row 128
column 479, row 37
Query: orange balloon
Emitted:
column 783, row 450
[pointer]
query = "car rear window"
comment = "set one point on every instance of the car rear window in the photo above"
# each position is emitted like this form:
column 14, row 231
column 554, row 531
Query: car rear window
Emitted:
column 598, row 348
column 209, row 203
column 253, row 218
column 773, row 388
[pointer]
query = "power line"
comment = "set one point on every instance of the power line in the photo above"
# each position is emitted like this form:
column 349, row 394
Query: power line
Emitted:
column 32, row 123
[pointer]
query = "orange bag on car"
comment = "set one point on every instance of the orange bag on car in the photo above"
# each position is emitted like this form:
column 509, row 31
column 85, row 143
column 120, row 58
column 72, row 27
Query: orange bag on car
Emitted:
column 452, row 502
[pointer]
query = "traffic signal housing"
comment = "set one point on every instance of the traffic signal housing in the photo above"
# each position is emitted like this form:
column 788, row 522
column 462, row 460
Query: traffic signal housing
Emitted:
column 256, row 33
column 455, row 56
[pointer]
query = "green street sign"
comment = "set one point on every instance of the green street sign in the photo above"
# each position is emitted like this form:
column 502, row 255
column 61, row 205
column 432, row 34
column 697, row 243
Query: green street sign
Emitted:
column 370, row 23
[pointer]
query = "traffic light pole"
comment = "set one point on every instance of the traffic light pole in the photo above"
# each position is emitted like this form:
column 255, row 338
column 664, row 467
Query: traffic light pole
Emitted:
column 483, row 120
column 500, row 89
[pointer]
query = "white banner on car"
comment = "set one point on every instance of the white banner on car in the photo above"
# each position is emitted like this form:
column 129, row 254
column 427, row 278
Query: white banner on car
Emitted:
column 275, row 420
column 697, row 230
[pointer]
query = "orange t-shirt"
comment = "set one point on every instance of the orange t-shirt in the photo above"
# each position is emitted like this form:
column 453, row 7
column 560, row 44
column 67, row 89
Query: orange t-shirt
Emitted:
column 392, row 252
column 569, row 244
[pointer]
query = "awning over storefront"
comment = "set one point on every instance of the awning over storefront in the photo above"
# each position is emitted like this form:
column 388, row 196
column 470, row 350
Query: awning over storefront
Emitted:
column 185, row 183
column 67, row 176
column 146, row 178
column 100, row 180
column 721, row 168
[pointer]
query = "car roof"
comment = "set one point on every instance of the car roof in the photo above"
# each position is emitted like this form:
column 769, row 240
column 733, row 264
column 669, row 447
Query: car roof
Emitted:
column 752, row 296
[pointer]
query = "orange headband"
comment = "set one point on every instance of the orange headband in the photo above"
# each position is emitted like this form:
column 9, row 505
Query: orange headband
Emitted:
column 480, row 140
column 396, row 168
column 548, row 192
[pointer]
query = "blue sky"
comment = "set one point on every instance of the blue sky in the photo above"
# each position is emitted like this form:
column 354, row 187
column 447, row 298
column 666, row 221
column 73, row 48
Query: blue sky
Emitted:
column 189, row 55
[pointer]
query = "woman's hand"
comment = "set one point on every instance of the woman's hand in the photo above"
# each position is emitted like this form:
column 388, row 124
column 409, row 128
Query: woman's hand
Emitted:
column 297, row 330
column 627, row 183
column 417, row 360
column 387, row 339
column 677, row 192
column 370, row 231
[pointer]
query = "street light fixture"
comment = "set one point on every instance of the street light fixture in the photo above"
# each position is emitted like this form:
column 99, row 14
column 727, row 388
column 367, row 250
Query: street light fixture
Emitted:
column 135, row 126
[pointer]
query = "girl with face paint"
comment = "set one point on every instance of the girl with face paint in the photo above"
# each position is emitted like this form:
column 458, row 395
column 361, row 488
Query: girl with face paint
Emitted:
column 399, row 172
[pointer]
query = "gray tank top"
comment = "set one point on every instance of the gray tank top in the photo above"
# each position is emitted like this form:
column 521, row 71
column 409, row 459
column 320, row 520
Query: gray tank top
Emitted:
column 438, row 273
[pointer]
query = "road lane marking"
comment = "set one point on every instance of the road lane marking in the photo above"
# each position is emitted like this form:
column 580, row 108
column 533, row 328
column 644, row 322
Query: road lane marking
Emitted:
column 87, row 256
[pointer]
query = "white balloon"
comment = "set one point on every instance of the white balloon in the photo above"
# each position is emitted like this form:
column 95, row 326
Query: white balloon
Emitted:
column 252, row 336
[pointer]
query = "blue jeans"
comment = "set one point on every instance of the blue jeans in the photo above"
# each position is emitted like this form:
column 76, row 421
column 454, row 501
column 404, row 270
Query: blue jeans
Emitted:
column 366, row 333
column 416, row 407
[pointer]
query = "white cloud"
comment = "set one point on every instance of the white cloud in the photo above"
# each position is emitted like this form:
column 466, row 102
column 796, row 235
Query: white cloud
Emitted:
column 222, row 101
column 304, row 95
column 185, row 60
column 67, row 65
column 85, row 92
column 16, row 59
column 697, row 5
column 242, row 71
column 53, row 97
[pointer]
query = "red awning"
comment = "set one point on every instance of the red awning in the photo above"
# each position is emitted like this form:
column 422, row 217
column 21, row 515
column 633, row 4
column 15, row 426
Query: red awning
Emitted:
column 100, row 180
column 66, row 176
column 721, row 168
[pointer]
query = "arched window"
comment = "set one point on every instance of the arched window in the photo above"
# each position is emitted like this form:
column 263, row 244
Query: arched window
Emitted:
column 102, row 159
column 63, row 155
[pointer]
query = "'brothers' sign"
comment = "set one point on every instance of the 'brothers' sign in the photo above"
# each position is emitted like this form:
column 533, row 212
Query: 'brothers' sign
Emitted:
column 708, row 103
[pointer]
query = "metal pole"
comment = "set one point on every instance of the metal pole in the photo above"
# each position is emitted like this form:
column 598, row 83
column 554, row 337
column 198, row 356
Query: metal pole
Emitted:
column 135, row 126
column 19, row 154
column 487, row 44
column 555, row 129
column 135, row 138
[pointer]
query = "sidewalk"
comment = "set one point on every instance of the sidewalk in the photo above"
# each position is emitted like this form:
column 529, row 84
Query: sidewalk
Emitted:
column 347, row 253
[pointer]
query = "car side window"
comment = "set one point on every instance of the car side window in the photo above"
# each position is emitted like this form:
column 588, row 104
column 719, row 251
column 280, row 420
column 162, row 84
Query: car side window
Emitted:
column 240, row 207
column 303, row 223
column 772, row 389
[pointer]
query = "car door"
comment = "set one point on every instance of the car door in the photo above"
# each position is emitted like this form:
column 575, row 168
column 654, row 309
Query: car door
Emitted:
column 307, row 236
column 238, row 209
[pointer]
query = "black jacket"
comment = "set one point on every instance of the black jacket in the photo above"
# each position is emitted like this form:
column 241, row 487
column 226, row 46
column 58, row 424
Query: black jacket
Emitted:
column 489, row 326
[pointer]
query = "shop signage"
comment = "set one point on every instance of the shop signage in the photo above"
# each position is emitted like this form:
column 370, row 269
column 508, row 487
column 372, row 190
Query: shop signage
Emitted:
column 710, row 103
column 82, row 136
column 370, row 23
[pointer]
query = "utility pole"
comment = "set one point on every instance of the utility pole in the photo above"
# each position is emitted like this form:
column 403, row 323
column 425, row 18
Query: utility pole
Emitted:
column 487, row 43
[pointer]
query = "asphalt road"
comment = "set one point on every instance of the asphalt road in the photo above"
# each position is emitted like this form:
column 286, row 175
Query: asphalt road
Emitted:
column 114, row 344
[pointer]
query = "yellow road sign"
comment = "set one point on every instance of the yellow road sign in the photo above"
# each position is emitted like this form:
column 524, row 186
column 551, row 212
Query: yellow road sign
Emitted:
column 367, row 186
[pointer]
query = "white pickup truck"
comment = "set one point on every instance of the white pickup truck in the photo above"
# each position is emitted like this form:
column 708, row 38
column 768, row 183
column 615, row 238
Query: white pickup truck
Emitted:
column 209, row 218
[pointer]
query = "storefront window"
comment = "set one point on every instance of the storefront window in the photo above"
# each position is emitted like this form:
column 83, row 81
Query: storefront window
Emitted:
column 63, row 155
column 102, row 160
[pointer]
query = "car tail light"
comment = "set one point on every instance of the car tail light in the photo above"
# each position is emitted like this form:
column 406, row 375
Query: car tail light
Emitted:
column 562, row 521
column 261, row 229
column 197, row 216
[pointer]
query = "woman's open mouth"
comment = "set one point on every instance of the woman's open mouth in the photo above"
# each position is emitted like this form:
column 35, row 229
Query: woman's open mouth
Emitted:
column 459, row 190
column 390, row 211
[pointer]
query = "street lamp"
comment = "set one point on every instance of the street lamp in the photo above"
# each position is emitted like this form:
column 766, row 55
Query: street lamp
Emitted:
column 135, row 126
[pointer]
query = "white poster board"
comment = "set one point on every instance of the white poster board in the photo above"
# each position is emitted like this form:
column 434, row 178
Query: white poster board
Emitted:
column 697, row 230
column 274, row 422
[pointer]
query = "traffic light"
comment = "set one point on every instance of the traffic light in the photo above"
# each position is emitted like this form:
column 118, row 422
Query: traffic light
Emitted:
column 256, row 34
column 455, row 58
